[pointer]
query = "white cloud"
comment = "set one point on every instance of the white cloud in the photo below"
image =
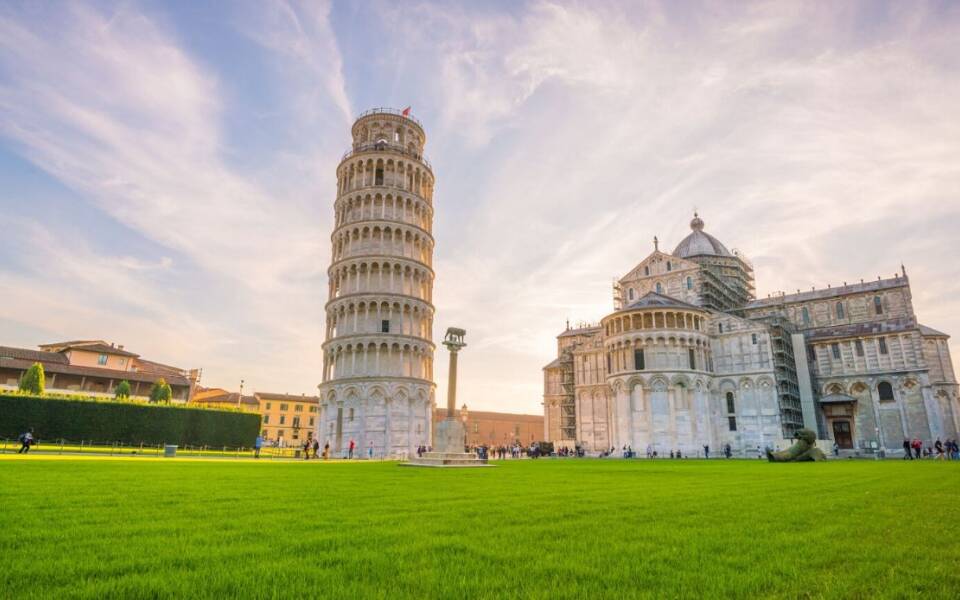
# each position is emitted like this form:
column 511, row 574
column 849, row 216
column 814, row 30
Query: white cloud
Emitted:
column 599, row 128
column 110, row 104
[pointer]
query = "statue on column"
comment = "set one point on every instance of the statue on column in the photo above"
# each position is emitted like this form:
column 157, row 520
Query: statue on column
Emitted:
column 450, row 434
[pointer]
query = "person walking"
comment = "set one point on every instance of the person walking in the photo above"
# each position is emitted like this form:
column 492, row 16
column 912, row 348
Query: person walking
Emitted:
column 370, row 451
column 316, row 448
column 352, row 446
column 257, row 445
column 706, row 451
column 907, row 455
column 306, row 449
column 26, row 440
column 326, row 451
column 836, row 449
column 938, row 446
column 917, row 447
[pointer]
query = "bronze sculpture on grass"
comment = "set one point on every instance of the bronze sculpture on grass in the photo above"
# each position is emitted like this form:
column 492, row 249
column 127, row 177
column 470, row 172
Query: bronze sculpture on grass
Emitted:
column 804, row 450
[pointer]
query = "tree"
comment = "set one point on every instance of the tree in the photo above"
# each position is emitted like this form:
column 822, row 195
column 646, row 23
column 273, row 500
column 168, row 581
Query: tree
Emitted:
column 122, row 391
column 34, row 380
column 160, row 392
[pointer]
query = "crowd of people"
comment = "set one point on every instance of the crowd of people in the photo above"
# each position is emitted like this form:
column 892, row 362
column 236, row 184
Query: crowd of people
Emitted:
column 503, row 452
column 915, row 450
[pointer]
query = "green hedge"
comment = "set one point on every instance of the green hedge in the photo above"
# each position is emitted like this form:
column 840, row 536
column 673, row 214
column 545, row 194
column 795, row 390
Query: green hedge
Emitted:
column 127, row 422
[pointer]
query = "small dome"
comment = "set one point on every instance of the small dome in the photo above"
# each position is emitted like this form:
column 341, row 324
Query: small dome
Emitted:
column 700, row 243
column 697, row 223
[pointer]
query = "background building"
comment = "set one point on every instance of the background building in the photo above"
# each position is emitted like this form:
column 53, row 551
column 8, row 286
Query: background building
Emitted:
column 288, row 419
column 496, row 429
column 689, row 358
column 94, row 367
column 221, row 398
column 378, row 355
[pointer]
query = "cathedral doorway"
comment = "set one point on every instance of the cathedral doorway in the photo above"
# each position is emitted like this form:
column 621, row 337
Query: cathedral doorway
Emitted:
column 842, row 434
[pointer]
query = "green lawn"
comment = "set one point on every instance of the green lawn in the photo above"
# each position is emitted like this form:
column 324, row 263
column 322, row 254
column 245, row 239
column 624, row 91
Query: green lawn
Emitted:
column 102, row 528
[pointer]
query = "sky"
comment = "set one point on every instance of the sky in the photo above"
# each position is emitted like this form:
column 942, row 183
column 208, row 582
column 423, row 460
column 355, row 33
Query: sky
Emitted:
column 167, row 169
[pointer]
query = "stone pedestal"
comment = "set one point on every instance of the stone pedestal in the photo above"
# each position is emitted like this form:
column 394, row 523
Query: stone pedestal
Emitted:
column 449, row 436
column 448, row 439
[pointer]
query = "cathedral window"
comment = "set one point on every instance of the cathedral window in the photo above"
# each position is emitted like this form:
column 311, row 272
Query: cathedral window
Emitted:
column 659, row 288
column 693, row 358
column 835, row 349
column 753, row 338
column 732, row 423
column 811, row 354
column 689, row 283
column 638, row 362
column 885, row 391
column 731, row 407
column 877, row 305
column 378, row 177
column 630, row 293
column 720, row 325
column 385, row 326
column 840, row 313
column 806, row 315
column 858, row 345
column 609, row 370
column 646, row 271
column 883, row 345
column 669, row 266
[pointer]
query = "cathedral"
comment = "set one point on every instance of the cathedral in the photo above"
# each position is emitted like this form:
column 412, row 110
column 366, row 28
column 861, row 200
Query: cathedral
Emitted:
column 690, row 358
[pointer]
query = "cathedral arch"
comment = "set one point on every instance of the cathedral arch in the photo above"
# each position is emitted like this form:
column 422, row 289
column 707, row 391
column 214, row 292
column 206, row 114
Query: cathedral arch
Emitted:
column 835, row 388
column 885, row 391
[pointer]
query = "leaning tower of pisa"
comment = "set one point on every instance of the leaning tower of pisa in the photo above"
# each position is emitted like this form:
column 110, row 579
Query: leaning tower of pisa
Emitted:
column 378, row 385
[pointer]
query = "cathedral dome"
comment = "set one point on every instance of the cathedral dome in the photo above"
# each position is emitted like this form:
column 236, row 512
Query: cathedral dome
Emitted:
column 700, row 243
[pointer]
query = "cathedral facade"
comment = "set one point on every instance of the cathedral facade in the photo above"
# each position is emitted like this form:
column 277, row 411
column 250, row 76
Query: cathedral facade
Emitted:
column 690, row 358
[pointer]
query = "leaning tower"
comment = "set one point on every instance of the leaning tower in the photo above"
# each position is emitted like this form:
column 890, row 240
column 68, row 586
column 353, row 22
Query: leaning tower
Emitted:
column 378, row 385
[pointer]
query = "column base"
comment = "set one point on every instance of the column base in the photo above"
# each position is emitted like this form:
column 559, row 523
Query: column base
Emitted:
column 446, row 459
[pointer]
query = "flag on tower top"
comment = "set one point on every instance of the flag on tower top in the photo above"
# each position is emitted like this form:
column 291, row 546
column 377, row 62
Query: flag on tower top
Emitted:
column 406, row 112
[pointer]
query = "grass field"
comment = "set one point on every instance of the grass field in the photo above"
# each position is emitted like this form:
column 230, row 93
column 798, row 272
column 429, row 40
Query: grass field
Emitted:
column 111, row 528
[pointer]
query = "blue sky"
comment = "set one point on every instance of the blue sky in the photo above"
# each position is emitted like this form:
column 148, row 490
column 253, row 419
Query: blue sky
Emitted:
column 167, row 168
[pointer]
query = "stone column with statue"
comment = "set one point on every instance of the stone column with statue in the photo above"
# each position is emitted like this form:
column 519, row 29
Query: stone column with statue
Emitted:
column 449, row 435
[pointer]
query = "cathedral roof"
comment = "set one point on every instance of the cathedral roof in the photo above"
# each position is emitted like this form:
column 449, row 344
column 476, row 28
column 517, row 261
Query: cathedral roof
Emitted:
column 832, row 292
column 930, row 331
column 581, row 331
column 700, row 243
column 655, row 300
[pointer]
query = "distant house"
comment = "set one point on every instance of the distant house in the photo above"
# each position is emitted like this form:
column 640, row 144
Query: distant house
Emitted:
column 94, row 367
column 286, row 419
column 221, row 398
